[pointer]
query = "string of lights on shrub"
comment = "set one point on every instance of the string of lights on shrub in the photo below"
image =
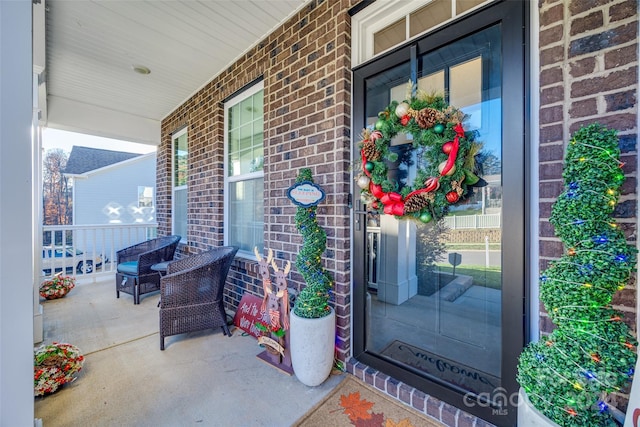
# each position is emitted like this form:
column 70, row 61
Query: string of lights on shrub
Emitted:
column 568, row 374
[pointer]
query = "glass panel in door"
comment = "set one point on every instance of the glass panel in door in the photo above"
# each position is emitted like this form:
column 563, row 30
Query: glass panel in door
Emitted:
column 435, row 290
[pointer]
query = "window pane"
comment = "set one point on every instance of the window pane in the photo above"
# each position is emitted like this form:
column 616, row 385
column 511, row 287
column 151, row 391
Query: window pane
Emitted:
column 180, row 152
column 244, row 225
column 429, row 16
column 392, row 35
column 246, row 159
column 145, row 197
column 233, row 117
column 180, row 171
column 246, row 213
column 234, row 164
column 466, row 90
column 433, row 83
column 234, row 141
column 246, row 110
column 257, row 162
column 180, row 213
column 258, row 109
column 437, row 294
column 464, row 5
column 466, row 83
column 245, row 136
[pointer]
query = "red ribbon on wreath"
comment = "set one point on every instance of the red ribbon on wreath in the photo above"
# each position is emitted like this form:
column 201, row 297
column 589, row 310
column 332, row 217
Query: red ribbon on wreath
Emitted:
column 394, row 202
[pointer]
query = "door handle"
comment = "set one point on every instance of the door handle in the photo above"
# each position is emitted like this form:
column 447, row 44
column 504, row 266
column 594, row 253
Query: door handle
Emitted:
column 359, row 211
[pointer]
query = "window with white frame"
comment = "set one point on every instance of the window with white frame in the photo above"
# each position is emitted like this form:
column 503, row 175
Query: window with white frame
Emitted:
column 179, row 155
column 244, row 182
column 145, row 197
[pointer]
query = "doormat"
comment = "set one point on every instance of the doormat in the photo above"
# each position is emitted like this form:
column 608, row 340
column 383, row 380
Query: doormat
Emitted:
column 452, row 372
column 354, row 403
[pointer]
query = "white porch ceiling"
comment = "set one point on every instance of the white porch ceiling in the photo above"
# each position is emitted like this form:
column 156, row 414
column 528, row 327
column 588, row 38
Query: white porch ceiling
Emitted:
column 92, row 46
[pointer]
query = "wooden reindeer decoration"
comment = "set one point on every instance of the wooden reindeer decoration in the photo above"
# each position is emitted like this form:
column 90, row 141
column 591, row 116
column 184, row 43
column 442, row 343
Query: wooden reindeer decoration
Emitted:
column 263, row 270
column 282, row 293
column 275, row 310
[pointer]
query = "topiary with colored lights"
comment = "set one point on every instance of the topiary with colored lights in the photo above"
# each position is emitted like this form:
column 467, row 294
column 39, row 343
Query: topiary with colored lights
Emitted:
column 568, row 374
column 313, row 300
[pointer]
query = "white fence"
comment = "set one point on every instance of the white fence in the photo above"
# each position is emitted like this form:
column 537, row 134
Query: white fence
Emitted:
column 88, row 250
column 455, row 222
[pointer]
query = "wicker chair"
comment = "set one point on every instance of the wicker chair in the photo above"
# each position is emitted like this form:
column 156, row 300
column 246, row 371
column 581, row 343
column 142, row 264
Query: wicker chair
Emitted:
column 134, row 275
column 191, row 293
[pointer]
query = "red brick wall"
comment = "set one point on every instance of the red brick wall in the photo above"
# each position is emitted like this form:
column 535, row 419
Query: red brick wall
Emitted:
column 305, row 65
column 588, row 73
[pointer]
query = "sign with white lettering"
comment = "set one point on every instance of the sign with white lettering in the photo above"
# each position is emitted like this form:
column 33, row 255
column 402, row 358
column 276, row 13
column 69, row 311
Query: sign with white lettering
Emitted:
column 305, row 194
column 248, row 314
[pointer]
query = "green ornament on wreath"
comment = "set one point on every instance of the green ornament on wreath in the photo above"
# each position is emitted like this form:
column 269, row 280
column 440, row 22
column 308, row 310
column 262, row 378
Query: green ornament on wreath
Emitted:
column 446, row 159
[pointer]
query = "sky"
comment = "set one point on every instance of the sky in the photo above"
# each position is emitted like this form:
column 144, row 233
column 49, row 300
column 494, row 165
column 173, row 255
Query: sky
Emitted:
column 54, row 138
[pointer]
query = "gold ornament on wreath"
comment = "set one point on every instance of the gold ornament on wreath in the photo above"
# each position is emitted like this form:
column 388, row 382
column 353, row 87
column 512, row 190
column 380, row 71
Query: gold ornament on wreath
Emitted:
column 445, row 151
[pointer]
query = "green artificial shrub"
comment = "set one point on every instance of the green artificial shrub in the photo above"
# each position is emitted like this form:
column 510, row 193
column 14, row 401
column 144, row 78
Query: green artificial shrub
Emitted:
column 313, row 300
column 591, row 353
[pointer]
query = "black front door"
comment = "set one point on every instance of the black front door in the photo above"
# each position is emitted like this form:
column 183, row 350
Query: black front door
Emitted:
column 440, row 306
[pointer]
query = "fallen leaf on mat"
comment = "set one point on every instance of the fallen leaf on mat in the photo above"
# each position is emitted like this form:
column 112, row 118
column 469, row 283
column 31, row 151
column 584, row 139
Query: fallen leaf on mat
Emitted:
column 402, row 423
column 355, row 407
column 376, row 420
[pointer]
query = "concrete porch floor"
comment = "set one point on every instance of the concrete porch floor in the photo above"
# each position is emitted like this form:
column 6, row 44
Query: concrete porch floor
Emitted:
column 204, row 378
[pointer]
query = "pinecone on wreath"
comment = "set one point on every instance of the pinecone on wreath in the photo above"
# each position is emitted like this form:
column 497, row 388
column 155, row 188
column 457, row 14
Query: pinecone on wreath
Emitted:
column 370, row 152
column 416, row 203
column 427, row 118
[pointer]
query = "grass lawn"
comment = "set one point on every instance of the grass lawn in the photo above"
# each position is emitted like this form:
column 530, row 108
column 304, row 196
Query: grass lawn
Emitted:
column 490, row 277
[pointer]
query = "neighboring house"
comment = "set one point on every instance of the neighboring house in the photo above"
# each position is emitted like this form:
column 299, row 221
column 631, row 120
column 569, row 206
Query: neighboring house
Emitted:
column 111, row 187
column 529, row 73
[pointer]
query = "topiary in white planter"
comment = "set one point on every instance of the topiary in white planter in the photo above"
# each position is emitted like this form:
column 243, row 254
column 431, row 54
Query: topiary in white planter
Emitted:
column 592, row 353
column 313, row 322
column 528, row 415
column 312, row 347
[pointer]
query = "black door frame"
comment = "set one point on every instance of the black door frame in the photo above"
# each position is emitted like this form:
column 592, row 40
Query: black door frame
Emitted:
column 513, row 18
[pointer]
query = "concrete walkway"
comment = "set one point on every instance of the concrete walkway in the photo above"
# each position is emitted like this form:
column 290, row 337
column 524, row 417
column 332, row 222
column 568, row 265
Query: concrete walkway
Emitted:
column 201, row 379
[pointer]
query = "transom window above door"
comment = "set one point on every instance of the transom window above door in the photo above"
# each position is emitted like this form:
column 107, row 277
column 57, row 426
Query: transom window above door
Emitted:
column 386, row 24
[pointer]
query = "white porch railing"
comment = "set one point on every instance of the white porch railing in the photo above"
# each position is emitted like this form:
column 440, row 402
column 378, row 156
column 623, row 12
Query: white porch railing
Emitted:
column 455, row 222
column 88, row 251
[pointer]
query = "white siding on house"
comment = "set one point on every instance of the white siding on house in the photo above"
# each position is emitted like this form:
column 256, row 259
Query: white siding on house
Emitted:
column 110, row 195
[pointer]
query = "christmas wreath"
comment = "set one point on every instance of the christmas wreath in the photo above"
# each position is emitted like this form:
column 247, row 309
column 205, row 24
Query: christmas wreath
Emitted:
column 55, row 365
column 445, row 155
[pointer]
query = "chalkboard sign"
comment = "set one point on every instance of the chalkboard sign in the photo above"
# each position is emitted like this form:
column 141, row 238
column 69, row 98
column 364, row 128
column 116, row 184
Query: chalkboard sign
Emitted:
column 248, row 314
column 305, row 194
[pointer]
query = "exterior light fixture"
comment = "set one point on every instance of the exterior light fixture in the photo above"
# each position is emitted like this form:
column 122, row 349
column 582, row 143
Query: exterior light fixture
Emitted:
column 141, row 69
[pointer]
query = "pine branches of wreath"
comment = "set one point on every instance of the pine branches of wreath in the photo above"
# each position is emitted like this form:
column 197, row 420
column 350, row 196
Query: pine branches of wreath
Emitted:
column 446, row 159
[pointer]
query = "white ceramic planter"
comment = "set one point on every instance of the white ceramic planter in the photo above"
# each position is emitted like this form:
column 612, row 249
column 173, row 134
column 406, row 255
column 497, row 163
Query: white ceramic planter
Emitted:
column 528, row 415
column 312, row 344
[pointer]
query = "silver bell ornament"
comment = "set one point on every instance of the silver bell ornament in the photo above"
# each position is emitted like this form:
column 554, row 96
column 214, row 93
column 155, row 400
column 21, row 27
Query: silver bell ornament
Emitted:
column 402, row 109
column 363, row 181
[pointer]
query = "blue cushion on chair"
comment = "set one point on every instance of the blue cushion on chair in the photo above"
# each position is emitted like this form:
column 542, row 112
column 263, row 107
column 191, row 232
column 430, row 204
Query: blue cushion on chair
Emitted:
column 129, row 267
